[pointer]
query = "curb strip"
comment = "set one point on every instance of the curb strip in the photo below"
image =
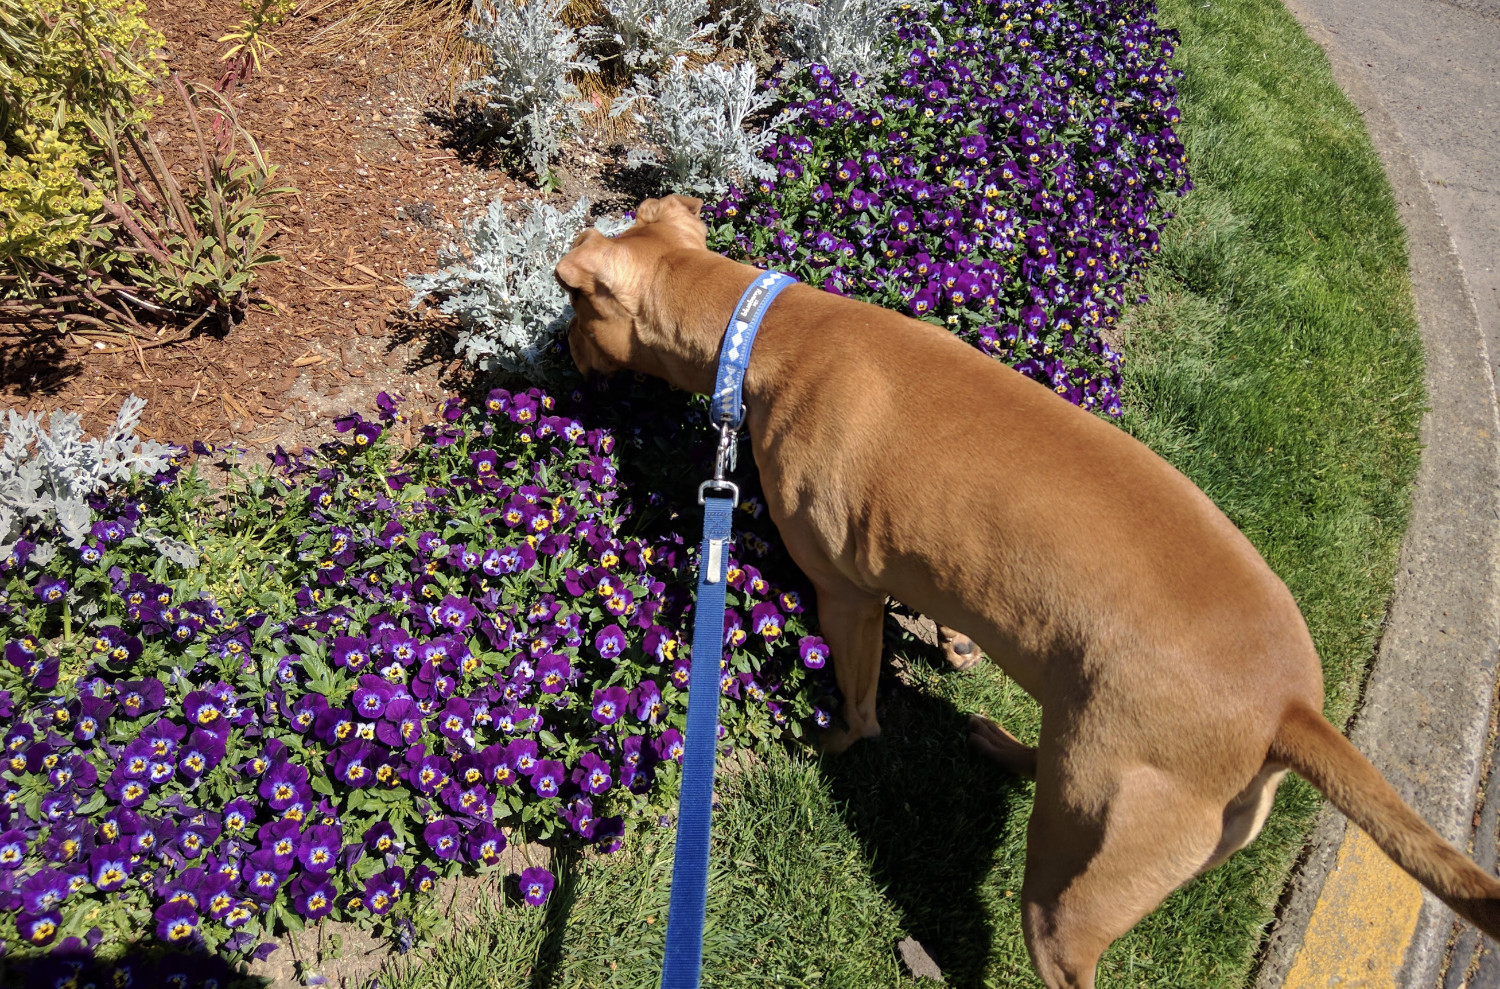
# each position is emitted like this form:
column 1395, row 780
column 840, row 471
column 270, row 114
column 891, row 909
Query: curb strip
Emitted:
column 1426, row 711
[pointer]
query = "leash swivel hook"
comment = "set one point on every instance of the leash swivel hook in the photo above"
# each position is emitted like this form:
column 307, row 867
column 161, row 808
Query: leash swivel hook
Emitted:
column 725, row 460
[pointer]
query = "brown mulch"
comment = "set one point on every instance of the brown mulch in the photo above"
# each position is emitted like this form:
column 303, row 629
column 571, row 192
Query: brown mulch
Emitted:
column 383, row 177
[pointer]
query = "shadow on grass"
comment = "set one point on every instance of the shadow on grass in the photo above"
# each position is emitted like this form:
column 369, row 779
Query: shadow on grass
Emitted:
column 930, row 816
column 550, row 953
column 154, row 966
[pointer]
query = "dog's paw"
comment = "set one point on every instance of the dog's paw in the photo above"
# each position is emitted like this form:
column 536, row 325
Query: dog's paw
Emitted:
column 958, row 649
column 836, row 741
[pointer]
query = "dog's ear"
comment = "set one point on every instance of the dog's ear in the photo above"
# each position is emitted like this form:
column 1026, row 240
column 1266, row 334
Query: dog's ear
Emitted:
column 649, row 211
column 692, row 204
column 652, row 210
column 678, row 214
column 586, row 263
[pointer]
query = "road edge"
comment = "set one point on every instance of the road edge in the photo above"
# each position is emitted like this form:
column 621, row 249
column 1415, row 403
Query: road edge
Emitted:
column 1425, row 715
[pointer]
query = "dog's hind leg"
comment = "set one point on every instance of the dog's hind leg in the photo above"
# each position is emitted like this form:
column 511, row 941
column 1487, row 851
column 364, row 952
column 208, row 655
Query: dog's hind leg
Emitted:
column 1101, row 853
column 1247, row 813
column 958, row 649
column 852, row 621
column 995, row 743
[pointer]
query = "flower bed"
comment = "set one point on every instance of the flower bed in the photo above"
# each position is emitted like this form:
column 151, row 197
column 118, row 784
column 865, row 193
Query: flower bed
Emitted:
column 1008, row 187
column 312, row 692
column 378, row 662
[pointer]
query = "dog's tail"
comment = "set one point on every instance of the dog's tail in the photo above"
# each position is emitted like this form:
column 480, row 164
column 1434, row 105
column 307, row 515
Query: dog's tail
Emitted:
column 1315, row 749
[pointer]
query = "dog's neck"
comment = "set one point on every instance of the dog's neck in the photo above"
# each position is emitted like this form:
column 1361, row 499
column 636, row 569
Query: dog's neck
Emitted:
column 693, row 296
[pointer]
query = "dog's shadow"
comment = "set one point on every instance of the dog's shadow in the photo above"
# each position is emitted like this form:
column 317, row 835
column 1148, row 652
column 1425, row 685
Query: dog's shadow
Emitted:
column 931, row 817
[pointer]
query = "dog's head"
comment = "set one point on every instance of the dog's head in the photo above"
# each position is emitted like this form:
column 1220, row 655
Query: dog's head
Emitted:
column 607, row 280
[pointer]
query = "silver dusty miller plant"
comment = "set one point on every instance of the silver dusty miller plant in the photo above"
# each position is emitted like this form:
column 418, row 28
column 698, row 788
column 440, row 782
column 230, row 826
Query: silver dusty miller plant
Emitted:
column 501, row 289
column 843, row 35
column 696, row 118
column 48, row 474
column 650, row 32
column 526, row 93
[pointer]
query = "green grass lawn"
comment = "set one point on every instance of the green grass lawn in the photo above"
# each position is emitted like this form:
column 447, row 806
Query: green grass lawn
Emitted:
column 1278, row 364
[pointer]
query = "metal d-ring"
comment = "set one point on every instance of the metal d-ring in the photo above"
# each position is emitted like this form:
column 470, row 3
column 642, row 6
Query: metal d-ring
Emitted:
column 718, row 484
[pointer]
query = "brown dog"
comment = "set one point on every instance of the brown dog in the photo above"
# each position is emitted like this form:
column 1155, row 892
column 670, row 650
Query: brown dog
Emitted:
column 1177, row 680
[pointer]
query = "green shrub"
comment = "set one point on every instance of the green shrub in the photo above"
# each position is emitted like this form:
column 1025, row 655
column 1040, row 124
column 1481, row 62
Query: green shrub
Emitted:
column 94, row 227
column 44, row 207
column 192, row 248
column 63, row 63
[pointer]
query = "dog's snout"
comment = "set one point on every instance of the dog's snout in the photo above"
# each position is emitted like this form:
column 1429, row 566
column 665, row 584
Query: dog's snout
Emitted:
column 587, row 357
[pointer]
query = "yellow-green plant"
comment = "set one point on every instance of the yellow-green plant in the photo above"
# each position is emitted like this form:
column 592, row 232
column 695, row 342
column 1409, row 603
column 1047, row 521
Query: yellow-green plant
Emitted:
column 43, row 206
column 95, row 228
column 249, row 39
column 59, row 59
column 62, row 62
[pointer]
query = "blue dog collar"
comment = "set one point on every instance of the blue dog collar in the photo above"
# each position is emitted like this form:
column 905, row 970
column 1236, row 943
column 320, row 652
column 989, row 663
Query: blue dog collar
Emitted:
column 727, row 408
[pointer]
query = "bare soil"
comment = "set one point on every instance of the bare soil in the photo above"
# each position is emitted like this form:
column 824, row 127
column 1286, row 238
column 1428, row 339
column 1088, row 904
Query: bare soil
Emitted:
column 385, row 169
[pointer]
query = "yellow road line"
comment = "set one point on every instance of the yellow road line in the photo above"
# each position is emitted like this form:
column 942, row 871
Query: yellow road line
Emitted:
column 1362, row 924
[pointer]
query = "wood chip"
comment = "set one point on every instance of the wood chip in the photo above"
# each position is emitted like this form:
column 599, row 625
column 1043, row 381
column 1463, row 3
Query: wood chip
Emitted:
column 310, row 359
column 243, row 412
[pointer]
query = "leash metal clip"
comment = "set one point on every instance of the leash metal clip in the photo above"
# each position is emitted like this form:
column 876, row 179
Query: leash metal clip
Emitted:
column 724, row 462
column 727, row 459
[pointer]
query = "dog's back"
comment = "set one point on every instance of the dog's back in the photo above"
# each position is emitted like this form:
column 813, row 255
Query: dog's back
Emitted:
column 1177, row 679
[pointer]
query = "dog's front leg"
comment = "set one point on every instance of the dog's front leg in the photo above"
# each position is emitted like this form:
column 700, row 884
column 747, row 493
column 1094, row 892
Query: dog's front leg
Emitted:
column 852, row 621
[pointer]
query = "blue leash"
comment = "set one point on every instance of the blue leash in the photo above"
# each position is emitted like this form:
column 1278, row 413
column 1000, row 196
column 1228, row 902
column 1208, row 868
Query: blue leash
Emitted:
column 683, row 960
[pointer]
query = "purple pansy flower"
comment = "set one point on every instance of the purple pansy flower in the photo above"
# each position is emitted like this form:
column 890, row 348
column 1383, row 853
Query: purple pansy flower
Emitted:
column 592, row 774
column 313, row 897
column 486, row 844
column 382, row 890
column 814, row 652
column 442, row 836
column 109, row 867
column 547, row 778
column 766, row 620
column 610, row 641
column 38, row 928
column 51, row 589
column 609, row 704
column 177, row 922
column 318, row 849
column 354, row 763
column 536, row 886
column 552, row 673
